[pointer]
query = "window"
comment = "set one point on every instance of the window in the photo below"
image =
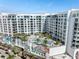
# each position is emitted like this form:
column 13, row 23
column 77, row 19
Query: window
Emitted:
column 77, row 37
column 73, row 45
column 59, row 19
column 74, row 36
column 78, row 29
column 77, row 41
column 65, row 20
column 78, row 33
column 73, row 41
column 74, row 32
column 75, row 28
column 65, row 15
column 74, row 15
column 21, row 19
column 76, row 24
column 9, row 16
column 76, row 19
column 77, row 46
column 64, row 23
column 64, row 27
column 31, row 19
column 13, row 16
column 77, row 14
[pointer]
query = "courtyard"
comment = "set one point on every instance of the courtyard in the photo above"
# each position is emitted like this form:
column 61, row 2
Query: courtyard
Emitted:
column 37, row 44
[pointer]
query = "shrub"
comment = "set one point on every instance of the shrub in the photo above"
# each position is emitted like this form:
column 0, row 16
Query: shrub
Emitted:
column 57, row 42
column 21, row 36
column 45, row 42
column 16, row 49
column 10, row 57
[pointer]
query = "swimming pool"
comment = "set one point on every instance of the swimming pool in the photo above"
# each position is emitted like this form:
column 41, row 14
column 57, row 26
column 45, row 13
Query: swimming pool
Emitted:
column 7, row 39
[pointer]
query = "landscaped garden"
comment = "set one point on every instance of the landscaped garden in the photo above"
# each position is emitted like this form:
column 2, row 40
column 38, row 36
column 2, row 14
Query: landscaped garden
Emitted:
column 45, row 39
column 44, row 34
column 1, row 34
column 37, row 43
column 22, row 36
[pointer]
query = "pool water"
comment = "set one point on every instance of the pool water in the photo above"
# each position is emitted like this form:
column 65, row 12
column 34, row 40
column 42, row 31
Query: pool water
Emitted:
column 7, row 39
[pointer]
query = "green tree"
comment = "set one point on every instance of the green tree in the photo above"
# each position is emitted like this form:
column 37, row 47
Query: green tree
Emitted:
column 21, row 36
column 49, row 36
column 10, row 57
column 37, row 40
column 1, row 34
column 16, row 49
column 45, row 42
column 57, row 42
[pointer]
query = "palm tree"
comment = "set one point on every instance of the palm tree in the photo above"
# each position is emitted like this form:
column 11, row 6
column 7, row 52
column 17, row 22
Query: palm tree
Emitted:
column 57, row 42
column 32, row 57
column 45, row 42
column 49, row 36
column 37, row 41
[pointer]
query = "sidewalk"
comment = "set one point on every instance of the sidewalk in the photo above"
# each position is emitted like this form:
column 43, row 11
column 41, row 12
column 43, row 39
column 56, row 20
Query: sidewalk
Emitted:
column 62, row 56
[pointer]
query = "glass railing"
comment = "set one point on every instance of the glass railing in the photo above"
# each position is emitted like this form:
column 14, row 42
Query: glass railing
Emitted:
column 35, row 51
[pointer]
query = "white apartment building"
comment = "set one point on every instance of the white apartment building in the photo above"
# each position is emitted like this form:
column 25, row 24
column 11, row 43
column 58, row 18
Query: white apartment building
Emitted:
column 21, row 23
column 62, row 26
column 73, row 31
column 56, row 25
column 65, row 27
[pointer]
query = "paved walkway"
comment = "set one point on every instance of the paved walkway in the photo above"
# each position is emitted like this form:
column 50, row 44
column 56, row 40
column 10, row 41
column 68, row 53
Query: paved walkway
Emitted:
column 62, row 56
column 3, row 54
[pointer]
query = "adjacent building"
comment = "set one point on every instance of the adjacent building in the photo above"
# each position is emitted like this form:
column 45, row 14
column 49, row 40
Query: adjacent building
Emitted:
column 56, row 25
column 73, row 31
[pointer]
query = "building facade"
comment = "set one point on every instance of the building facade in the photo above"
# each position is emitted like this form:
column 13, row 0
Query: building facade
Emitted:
column 65, row 27
column 56, row 25
column 73, row 31
column 21, row 23
column 62, row 26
